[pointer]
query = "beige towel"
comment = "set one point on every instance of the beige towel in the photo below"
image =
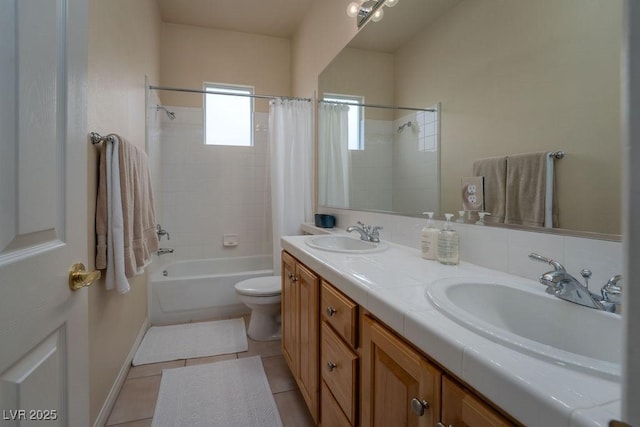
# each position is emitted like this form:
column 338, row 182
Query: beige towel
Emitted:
column 494, row 170
column 101, row 211
column 526, row 189
column 138, row 212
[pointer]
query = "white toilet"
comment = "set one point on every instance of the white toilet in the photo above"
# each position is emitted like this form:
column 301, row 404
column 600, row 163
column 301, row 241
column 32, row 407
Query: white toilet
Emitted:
column 262, row 295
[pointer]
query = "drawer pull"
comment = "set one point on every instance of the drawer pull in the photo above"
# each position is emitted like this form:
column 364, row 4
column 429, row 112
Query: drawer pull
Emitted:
column 331, row 311
column 331, row 366
column 442, row 425
column 418, row 406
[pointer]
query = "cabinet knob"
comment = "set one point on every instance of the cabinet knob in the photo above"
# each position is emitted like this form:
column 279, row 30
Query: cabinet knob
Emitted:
column 331, row 311
column 331, row 366
column 418, row 406
column 442, row 425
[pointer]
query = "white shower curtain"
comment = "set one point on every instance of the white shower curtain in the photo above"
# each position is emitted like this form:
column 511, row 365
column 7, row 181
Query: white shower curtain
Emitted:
column 291, row 145
column 333, row 154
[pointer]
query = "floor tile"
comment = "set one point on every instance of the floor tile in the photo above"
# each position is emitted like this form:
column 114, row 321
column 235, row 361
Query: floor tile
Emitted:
column 262, row 348
column 293, row 410
column 210, row 359
column 278, row 374
column 140, row 423
column 136, row 401
column 151, row 369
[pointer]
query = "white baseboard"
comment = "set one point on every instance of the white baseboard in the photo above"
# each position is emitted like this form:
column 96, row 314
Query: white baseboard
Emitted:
column 103, row 416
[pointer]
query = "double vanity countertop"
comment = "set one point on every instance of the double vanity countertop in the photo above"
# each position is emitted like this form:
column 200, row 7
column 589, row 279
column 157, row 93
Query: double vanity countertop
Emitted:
column 392, row 284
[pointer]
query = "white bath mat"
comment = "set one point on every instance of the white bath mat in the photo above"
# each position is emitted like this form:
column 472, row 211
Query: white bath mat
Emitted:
column 228, row 393
column 165, row 343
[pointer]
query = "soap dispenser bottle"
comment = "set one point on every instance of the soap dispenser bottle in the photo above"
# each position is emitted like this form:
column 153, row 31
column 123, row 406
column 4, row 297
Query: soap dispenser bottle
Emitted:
column 448, row 244
column 430, row 238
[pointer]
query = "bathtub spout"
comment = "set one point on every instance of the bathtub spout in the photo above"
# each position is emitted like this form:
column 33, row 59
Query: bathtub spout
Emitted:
column 162, row 251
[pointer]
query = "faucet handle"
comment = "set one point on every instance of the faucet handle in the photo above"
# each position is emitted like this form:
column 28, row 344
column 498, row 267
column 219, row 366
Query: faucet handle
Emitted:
column 375, row 233
column 556, row 265
column 611, row 291
column 162, row 232
column 586, row 275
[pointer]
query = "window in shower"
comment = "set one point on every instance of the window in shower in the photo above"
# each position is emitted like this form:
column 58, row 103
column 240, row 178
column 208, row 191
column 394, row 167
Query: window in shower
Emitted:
column 228, row 113
column 355, row 118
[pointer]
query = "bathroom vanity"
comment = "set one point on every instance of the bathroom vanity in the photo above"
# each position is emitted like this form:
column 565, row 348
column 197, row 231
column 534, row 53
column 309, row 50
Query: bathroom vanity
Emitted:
column 367, row 339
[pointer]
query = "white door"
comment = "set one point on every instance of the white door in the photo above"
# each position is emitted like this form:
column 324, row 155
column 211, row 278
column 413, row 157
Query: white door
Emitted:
column 43, row 212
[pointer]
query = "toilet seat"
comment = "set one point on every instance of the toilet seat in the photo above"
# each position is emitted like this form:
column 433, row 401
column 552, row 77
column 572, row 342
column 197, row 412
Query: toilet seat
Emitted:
column 265, row 286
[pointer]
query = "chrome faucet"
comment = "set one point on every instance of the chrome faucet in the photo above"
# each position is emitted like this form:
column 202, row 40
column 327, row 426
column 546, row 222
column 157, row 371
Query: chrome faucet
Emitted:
column 367, row 233
column 563, row 285
column 162, row 251
column 162, row 232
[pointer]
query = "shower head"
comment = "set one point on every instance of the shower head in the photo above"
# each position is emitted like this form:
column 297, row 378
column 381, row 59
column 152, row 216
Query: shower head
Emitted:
column 401, row 128
column 170, row 114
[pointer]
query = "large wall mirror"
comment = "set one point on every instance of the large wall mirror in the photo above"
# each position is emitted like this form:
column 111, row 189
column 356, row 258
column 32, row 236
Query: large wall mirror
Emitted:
column 477, row 79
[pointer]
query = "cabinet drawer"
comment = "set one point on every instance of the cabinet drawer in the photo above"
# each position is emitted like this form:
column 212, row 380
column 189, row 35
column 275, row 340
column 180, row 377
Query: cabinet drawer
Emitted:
column 460, row 407
column 332, row 415
column 340, row 312
column 339, row 366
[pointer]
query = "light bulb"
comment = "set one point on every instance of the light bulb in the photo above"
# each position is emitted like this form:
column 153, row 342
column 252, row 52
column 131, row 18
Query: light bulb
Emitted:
column 353, row 9
column 377, row 15
column 391, row 3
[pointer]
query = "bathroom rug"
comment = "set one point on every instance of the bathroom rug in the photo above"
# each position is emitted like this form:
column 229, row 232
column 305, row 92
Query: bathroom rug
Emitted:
column 166, row 343
column 227, row 393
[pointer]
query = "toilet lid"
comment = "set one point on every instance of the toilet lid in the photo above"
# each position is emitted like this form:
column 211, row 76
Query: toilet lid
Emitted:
column 264, row 286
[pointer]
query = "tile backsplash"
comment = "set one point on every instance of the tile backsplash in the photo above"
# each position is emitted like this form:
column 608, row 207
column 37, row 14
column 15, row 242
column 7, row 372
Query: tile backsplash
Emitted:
column 501, row 248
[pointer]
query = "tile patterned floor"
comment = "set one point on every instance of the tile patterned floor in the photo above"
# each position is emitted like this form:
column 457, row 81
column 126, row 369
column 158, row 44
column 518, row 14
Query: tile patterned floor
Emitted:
column 136, row 401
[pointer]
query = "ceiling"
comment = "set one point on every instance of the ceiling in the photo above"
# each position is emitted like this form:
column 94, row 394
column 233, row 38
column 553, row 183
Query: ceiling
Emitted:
column 276, row 18
column 281, row 18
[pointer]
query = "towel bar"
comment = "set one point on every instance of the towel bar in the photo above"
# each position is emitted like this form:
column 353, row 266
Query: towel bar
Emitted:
column 96, row 138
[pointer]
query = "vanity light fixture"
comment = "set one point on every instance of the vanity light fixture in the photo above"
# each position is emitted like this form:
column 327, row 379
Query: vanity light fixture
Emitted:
column 364, row 10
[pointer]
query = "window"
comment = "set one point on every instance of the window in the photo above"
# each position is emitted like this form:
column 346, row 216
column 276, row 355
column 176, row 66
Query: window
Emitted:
column 228, row 118
column 355, row 118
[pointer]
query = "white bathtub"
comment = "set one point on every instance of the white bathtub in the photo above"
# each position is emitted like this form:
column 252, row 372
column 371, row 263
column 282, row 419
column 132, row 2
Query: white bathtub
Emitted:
column 201, row 289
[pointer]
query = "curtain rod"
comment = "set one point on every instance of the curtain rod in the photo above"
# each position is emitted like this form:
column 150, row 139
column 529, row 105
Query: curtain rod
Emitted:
column 389, row 107
column 178, row 89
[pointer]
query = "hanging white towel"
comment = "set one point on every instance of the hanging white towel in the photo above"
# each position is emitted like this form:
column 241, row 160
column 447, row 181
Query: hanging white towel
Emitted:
column 117, row 226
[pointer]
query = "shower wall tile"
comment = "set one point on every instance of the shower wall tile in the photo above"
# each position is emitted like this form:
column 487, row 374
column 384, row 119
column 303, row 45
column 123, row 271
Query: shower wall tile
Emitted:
column 209, row 191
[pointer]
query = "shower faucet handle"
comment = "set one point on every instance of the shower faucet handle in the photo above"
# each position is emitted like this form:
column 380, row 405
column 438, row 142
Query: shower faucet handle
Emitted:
column 162, row 232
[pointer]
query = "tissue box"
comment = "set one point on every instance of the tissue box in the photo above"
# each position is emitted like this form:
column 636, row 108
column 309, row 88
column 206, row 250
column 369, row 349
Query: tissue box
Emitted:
column 325, row 221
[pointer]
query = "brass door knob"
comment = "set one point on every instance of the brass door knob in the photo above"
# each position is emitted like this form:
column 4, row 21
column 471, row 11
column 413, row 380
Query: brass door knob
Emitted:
column 79, row 277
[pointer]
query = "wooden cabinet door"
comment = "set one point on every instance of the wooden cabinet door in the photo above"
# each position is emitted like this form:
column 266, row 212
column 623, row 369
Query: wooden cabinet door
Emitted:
column 394, row 379
column 461, row 408
column 289, row 313
column 308, row 289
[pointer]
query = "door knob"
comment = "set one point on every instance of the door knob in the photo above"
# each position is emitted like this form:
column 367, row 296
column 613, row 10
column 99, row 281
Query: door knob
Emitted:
column 79, row 277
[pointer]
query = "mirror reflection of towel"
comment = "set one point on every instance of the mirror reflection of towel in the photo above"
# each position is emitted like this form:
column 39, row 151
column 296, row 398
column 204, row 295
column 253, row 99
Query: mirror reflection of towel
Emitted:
column 526, row 185
column 494, row 170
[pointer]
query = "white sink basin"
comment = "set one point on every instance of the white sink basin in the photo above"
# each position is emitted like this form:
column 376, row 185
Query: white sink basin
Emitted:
column 535, row 323
column 344, row 244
